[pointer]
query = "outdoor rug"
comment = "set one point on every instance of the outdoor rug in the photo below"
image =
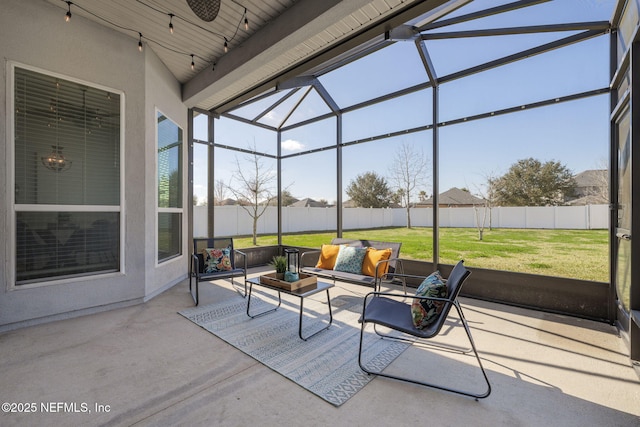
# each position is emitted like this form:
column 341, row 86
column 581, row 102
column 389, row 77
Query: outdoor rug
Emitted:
column 326, row 364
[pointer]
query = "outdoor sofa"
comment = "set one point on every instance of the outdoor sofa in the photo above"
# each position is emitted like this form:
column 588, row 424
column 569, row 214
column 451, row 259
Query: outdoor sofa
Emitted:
column 375, row 268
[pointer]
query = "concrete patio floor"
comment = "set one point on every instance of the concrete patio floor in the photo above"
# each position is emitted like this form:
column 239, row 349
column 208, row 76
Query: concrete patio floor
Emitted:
column 147, row 365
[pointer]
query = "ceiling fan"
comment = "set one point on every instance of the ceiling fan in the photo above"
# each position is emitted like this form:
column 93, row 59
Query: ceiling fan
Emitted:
column 207, row 10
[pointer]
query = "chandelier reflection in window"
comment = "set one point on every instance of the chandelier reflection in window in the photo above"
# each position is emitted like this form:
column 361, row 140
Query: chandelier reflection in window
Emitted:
column 56, row 161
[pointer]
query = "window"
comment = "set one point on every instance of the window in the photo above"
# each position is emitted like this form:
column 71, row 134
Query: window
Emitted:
column 67, row 143
column 169, row 189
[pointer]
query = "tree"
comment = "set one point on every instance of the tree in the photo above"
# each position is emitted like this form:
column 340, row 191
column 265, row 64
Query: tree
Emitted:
column 529, row 182
column 408, row 172
column 369, row 190
column 219, row 192
column 253, row 188
column 487, row 193
column 287, row 198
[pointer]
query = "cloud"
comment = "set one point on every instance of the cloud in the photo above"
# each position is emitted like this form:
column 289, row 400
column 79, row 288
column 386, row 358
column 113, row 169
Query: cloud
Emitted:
column 292, row 145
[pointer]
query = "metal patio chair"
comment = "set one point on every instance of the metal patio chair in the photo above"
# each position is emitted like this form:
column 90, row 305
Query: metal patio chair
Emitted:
column 197, row 270
column 391, row 310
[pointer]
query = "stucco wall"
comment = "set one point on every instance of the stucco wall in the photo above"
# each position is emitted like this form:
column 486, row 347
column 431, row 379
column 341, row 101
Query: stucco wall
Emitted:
column 34, row 33
column 163, row 95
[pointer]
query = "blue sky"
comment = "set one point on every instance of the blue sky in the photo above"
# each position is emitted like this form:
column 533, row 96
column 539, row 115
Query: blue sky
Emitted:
column 574, row 133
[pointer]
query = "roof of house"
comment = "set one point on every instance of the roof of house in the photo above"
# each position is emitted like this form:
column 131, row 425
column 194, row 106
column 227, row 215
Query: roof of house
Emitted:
column 308, row 203
column 455, row 196
column 228, row 202
column 592, row 178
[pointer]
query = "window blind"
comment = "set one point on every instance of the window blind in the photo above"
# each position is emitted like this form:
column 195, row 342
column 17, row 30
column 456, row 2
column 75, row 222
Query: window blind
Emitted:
column 67, row 178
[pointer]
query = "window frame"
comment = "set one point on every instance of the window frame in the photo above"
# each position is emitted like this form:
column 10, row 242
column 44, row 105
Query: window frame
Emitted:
column 11, row 259
column 171, row 210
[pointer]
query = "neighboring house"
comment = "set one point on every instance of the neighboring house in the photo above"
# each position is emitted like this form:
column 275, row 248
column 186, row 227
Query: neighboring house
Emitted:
column 592, row 188
column 309, row 203
column 453, row 198
column 349, row 204
column 227, row 202
column 290, row 202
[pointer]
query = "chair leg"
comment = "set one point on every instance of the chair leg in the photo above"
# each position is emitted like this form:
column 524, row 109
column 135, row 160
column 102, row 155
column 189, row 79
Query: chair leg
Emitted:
column 436, row 386
column 233, row 285
column 194, row 296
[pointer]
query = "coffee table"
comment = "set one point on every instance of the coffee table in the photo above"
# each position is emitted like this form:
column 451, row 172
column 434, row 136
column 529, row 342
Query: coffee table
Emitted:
column 301, row 293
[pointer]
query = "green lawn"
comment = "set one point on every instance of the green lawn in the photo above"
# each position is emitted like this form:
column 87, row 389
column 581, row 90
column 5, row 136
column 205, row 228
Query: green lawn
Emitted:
column 580, row 254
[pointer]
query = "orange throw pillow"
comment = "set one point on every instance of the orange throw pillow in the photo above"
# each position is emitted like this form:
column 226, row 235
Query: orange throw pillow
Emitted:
column 371, row 258
column 328, row 255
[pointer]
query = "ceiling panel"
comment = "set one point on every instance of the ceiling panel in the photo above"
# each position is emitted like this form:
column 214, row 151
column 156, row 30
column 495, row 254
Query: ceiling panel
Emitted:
column 257, row 55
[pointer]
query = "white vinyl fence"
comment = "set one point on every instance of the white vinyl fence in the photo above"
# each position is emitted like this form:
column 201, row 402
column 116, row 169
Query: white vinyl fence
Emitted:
column 235, row 221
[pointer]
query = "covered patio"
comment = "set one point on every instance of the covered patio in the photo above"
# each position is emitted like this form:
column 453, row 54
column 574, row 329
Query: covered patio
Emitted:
column 151, row 366
column 104, row 146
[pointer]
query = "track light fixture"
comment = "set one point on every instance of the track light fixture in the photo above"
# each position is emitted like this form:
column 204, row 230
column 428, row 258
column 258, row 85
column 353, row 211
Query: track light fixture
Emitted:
column 140, row 42
column 226, row 45
column 193, row 64
column 246, row 21
column 171, row 15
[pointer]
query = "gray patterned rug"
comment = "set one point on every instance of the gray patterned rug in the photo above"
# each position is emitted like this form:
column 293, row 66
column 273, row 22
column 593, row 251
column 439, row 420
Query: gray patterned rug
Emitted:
column 326, row 364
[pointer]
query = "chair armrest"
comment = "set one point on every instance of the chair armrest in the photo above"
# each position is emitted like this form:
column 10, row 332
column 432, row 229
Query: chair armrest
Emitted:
column 402, row 296
column 391, row 276
column 387, row 261
column 307, row 258
column 244, row 258
column 195, row 262
column 404, row 276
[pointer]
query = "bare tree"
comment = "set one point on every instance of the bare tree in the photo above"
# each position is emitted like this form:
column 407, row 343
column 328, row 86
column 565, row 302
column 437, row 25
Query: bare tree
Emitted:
column 600, row 189
column 219, row 192
column 487, row 192
column 481, row 222
column 407, row 173
column 253, row 187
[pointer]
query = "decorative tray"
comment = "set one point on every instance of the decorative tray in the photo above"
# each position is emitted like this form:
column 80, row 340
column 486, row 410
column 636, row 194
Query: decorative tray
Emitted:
column 305, row 281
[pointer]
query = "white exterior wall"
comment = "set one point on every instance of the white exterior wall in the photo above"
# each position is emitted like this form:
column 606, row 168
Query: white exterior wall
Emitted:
column 35, row 34
column 162, row 93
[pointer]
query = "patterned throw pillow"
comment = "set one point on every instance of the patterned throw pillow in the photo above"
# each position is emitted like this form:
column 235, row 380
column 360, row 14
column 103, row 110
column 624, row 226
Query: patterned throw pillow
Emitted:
column 425, row 312
column 216, row 259
column 350, row 259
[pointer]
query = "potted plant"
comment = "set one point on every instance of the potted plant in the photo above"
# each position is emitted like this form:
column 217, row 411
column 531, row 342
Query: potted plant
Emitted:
column 279, row 262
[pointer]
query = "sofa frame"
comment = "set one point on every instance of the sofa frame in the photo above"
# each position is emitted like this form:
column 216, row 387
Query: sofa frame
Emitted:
column 309, row 260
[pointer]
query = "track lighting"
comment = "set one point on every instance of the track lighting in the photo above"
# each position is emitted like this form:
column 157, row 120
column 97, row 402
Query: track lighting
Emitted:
column 226, row 45
column 193, row 65
column 171, row 15
column 140, row 42
column 246, row 21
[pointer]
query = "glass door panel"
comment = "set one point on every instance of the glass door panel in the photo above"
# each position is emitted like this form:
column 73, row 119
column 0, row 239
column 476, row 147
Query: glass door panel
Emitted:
column 623, row 225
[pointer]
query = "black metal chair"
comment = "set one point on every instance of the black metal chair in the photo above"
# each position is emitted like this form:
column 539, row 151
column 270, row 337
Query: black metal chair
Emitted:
column 197, row 267
column 391, row 310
